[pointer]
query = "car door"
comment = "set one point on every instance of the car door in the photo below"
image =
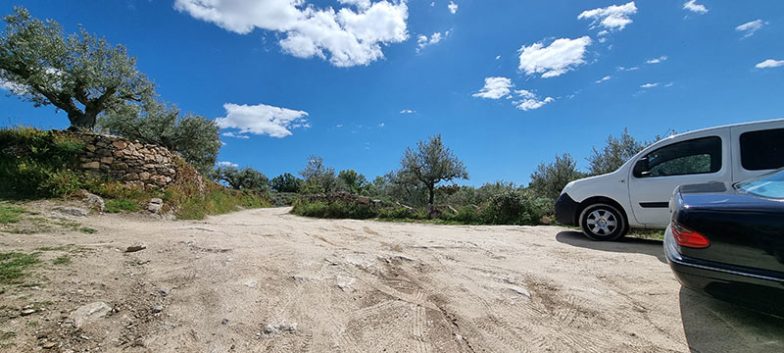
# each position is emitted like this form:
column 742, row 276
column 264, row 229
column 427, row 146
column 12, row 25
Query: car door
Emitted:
column 697, row 158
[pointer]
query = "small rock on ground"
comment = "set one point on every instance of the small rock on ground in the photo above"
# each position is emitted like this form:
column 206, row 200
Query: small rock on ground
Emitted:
column 88, row 313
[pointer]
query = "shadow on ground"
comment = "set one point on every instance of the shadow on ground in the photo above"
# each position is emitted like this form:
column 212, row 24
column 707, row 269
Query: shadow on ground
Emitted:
column 626, row 245
column 711, row 326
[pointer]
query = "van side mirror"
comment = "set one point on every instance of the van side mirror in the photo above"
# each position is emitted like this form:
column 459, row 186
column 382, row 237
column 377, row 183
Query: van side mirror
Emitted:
column 641, row 169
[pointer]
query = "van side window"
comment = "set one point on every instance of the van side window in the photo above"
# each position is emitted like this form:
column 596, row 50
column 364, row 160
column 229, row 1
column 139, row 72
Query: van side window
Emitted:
column 761, row 150
column 698, row 156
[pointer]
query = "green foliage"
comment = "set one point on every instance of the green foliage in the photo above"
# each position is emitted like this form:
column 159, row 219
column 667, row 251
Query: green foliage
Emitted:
column 10, row 213
column 351, row 181
column 36, row 163
column 614, row 154
column 220, row 200
column 194, row 137
column 13, row 266
column 430, row 164
column 80, row 74
column 516, row 207
column 88, row 230
column 121, row 206
column 318, row 177
column 242, row 179
column 286, row 182
column 550, row 178
column 334, row 209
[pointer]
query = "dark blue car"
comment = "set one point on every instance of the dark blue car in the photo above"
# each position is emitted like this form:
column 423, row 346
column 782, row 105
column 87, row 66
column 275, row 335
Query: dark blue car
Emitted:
column 730, row 243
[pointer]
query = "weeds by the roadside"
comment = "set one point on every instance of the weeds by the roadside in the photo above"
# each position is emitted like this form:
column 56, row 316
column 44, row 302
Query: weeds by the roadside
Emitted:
column 121, row 205
column 13, row 266
column 10, row 213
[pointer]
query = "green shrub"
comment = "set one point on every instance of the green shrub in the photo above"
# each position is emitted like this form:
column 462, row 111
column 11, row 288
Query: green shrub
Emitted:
column 121, row 205
column 334, row 209
column 515, row 208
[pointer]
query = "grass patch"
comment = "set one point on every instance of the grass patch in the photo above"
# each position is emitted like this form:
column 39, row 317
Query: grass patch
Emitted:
column 10, row 213
column 121, row 206
column 13, row 266
column 62, row 260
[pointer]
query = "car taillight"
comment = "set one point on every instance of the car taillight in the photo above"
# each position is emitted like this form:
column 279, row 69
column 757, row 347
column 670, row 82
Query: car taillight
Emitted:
column 688, row 238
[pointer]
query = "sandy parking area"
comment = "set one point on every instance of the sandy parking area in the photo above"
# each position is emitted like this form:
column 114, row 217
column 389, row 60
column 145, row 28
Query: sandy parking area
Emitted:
column 266, row 281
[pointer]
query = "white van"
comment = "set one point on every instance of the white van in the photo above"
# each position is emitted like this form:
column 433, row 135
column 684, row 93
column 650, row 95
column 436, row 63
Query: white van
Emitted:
column 638, row 193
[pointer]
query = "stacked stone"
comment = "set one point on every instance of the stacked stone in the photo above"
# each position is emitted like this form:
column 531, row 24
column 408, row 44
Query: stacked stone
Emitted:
column 129, row 161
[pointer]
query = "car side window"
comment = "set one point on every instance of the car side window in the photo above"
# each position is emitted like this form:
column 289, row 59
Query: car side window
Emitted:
column 698, row 156
column 762, row 150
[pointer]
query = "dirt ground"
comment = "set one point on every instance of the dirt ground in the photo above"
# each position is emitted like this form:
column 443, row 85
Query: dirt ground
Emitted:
column 266, row 281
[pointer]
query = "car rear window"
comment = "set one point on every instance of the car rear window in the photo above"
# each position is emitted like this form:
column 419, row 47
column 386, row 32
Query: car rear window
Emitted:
column 762, row 150
column 770, row 186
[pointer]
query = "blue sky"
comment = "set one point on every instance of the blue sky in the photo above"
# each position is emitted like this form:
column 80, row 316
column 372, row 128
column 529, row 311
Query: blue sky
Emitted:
column 361, row 82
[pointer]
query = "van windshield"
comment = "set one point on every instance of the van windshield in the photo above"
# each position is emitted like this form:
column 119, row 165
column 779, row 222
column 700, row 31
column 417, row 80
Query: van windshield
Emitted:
column 769, row 185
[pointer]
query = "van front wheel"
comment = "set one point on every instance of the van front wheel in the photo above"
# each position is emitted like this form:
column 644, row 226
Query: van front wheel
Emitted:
column 602, row 222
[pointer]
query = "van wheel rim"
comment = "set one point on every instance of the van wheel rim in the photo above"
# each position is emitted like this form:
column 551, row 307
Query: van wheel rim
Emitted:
column 602, row 222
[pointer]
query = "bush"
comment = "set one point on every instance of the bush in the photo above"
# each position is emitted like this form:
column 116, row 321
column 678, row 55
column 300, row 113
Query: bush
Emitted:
column 333, row 209
column 515, row 208
column 36, row 163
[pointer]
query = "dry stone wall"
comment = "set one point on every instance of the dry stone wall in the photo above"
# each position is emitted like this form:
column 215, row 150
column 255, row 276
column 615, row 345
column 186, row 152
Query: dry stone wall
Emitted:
column 133, row 162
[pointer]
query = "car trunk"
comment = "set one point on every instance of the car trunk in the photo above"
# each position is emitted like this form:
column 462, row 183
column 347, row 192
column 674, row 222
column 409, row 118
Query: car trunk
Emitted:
column 743, row 230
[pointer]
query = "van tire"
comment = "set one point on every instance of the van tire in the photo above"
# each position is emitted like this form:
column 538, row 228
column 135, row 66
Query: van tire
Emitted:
column 603, row 222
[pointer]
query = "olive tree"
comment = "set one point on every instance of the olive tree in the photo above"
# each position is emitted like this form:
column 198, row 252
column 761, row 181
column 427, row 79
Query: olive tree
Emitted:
column 318, row 177
column 81, row 74
column 550, row 178
column 196, row 138
column 351, row 181
column 242, row 179
column 614, row 154
column 430, row 164
column 286, row 182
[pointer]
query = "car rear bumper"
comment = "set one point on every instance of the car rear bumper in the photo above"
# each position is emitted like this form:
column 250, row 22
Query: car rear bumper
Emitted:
column 758, row 291
column 566, row 210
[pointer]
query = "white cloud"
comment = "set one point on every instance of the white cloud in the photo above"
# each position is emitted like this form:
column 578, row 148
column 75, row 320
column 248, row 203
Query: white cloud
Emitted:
column 407, row 111
column 381, row 124
column 658, row 60
column 235, row 135
column 693, row 6
column 604, row 79
column 13, row 87
column 530, row 101
column 262, row 119
column 749, row 28
column 623, row 68
column 227, row 164
column 495, row 88
column 498, row 57
column 614, row 17
column 452, row 7
column 424, row 41
column 350, row 36
column 769, row 64
column 650, row 85
column 561, row 56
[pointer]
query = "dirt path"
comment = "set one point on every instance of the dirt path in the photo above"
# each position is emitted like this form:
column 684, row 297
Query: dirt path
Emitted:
column 266, row 281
